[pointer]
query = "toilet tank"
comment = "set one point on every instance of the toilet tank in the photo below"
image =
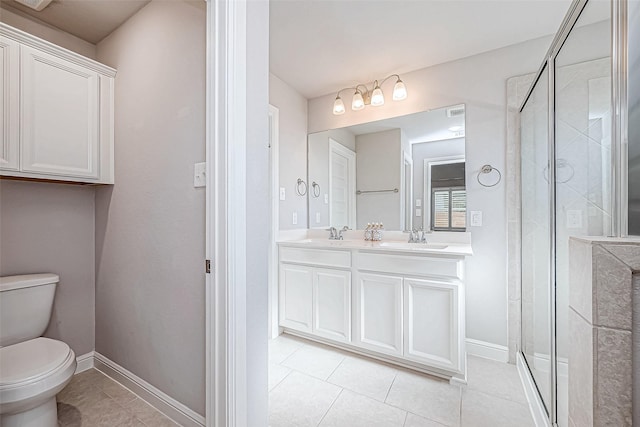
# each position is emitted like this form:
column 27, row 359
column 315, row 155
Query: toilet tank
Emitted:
column 25, row 306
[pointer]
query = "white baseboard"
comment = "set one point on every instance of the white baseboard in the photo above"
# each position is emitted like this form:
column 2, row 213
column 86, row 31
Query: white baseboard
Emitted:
column 84, row 362
column 535, row 403
column 542, row 363
column 487, row 350
column 145, row 391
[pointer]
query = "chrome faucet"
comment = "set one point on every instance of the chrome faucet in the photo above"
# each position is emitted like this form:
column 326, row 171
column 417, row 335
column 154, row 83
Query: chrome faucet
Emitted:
column 333, row 233
column 412, row 236
column 340, row 236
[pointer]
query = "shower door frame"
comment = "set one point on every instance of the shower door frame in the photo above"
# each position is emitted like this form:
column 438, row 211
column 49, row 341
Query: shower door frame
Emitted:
column 619, row 166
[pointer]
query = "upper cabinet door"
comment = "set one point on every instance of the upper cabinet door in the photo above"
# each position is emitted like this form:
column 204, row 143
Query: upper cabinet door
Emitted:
column 10, row 103
column 60, row 116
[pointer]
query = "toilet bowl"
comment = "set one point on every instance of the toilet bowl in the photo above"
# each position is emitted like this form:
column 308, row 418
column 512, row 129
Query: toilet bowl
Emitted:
column 33, row 369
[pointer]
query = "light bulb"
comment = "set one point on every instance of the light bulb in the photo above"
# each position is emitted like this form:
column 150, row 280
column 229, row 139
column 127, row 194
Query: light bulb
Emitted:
column 399, row 91
column 338, row 106
column 377, row 98
column 357, row 103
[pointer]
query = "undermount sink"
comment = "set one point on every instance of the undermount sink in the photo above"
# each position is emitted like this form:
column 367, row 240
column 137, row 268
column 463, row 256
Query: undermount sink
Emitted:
column 406, row 245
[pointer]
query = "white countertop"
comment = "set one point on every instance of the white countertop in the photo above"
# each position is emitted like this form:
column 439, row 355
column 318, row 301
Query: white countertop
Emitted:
column 433, row 247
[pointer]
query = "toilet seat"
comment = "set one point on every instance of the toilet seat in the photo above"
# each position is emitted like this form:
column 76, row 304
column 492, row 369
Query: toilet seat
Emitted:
column 31, row 369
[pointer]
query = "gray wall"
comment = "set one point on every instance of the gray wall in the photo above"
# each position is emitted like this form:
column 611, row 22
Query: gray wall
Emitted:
column 378, row 167
column 293, row 149
column 49, row 228
column 150, row 226
column 429, row 150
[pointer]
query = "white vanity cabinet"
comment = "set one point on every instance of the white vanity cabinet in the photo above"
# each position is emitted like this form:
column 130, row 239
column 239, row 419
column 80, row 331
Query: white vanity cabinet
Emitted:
column 379, row 313
column 57, row 117
column 314, row 298
column 402, row 306
column 431, row 323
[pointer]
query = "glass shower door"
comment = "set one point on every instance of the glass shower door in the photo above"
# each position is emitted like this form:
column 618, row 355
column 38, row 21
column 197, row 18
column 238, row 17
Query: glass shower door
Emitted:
column 583, row 130
column 536, row 238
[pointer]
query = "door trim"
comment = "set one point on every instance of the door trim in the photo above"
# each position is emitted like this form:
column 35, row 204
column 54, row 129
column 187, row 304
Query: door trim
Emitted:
column 335, row 146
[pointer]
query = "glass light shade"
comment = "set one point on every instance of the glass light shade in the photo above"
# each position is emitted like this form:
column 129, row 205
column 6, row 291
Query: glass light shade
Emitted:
column 377, row 98
column 357, row 103
column 338, row 106
column 399, row 91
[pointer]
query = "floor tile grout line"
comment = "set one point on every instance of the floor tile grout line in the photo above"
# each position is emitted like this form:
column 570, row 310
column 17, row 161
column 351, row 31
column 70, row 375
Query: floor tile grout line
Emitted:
column 280, row 382
column 330, row 406
column 390, row 387
column 334, row 370
column 406, row 415
column 291, row 354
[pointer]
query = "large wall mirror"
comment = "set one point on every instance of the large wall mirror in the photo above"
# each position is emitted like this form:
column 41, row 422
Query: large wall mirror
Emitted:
column 406, row 172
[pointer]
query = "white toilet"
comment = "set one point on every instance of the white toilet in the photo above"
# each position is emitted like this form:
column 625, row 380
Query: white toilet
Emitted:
column 33, row 369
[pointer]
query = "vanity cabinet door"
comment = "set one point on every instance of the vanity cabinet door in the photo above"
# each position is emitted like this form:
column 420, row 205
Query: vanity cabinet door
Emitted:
column 60, row 116
column 332, row 304
column 9, row 103
column 431, row 323
column 296, row 284
column 379, row 313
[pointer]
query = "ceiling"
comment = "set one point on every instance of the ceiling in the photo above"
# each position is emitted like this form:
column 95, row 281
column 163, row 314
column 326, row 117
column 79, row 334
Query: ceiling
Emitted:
column 320, row 46
column 90, row 20
column 420, row 127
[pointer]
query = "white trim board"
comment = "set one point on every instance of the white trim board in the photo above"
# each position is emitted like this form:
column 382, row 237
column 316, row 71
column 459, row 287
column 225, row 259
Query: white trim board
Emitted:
column 536, row 407
column 487, row 350
column 170, row 407
column 84, row 362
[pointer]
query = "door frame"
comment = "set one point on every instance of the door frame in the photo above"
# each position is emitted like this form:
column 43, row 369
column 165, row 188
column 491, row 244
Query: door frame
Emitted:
column 274, row 169
column 226, row 141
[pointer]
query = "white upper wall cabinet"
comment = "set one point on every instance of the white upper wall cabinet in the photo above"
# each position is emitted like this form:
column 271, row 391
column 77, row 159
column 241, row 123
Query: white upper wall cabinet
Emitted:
column 9, row 107
column 57, row 117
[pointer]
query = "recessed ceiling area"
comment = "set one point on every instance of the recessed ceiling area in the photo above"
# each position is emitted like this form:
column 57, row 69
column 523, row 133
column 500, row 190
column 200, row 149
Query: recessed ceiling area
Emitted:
column 321, row 46
column 90, row 20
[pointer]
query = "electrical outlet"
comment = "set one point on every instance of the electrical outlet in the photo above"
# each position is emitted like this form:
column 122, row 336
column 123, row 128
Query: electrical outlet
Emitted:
column 283, row 193
column 574, row 219
column 200, row 175
column 418, row 212
column 294, row 218
column 317, row 217
column 326, row 199
column 476, row 218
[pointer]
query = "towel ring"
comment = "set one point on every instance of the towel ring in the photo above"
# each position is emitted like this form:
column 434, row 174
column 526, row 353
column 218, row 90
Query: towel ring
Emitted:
column 301, row 187
column 560, row 163
column 315, row 189
column 486, row 169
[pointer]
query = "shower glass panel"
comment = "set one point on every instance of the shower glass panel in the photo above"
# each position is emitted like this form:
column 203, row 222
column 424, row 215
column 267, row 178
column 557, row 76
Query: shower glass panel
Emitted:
column 583, row 129
column 534, row 146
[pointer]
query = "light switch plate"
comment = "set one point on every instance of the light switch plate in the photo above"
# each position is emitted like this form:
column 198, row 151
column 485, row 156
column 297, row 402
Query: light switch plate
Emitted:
column 283, row 193
column 418, row 212
column 200, row 175
column 418, row 203
column 294, row 218
column 476, row 218
column 326, row 199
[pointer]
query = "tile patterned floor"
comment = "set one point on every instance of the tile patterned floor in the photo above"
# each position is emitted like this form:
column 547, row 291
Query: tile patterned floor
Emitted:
column 314, row 385
column 94, row 400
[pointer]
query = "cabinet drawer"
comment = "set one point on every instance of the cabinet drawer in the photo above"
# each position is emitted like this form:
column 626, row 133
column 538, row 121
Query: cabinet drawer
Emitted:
column 450, row 268
column 329, row 258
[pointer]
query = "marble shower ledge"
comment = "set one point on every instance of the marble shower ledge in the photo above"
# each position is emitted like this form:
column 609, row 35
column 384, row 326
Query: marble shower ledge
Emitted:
column 603, row 273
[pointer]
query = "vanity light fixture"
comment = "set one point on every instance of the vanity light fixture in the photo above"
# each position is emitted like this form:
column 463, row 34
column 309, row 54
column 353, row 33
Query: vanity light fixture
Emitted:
column 363, row 96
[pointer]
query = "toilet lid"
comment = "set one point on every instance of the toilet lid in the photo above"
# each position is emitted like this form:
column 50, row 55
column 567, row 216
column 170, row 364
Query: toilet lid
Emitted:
column 31, row 359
